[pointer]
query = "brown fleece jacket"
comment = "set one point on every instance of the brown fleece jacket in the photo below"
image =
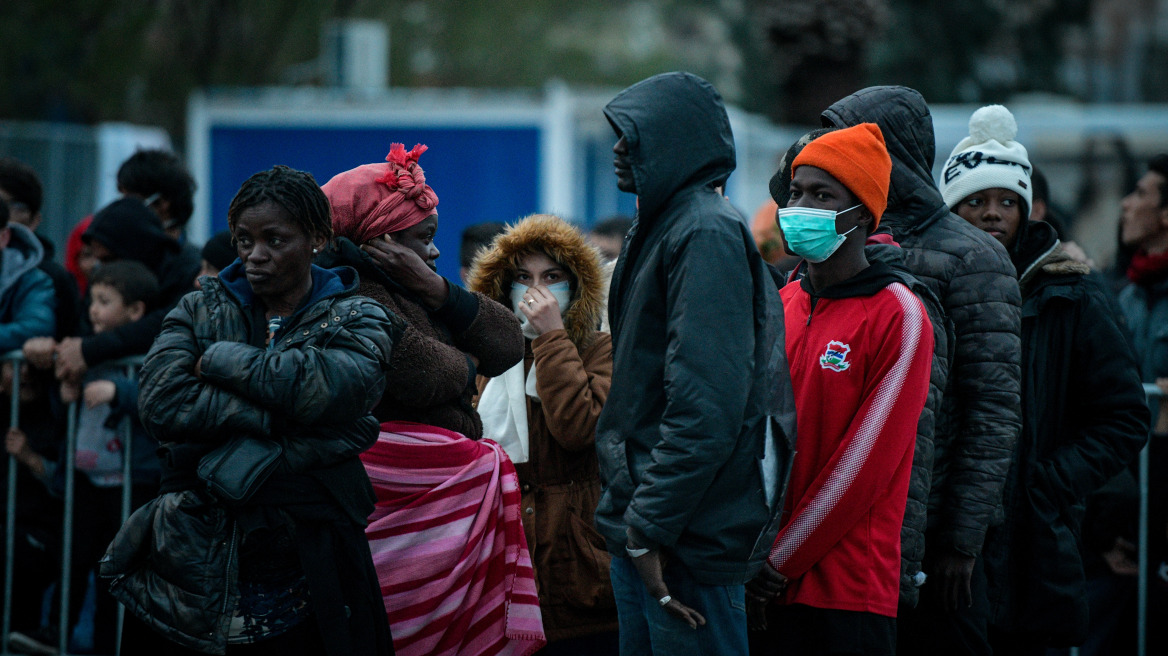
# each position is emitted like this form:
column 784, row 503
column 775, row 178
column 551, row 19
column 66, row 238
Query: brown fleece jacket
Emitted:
column 431, row 378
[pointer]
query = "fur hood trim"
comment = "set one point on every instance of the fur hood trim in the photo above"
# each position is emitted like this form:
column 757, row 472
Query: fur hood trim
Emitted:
column 494, row 269
column 1063, row 264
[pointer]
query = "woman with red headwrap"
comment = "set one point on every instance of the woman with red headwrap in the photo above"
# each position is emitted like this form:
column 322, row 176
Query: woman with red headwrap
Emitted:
column 385, row 217
column 446, row 537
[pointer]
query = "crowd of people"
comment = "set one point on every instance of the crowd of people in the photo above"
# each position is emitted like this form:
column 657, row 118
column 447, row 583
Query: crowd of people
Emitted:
column 890, row 415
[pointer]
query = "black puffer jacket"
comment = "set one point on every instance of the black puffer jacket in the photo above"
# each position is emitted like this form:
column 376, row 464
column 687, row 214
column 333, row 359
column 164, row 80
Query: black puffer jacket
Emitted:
column 972, row 275
column 699, row 360
column 175, row 561
column 1084, row 418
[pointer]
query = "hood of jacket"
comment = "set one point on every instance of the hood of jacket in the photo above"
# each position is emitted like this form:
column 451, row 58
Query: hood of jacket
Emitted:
column 1039, row 251
column 494, row 270
column 869, row 281
column 326, row 283
column 131, row 232
column 904, row 119
column 678, row 135
column 23, row 254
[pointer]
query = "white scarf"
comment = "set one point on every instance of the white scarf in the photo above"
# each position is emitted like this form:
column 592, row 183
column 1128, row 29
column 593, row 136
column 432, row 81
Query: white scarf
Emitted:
column 503, row 409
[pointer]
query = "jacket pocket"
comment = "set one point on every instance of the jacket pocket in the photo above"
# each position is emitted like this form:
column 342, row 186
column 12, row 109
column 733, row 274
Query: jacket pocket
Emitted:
column 579, row 575
column 615, row 478
column 132, row 543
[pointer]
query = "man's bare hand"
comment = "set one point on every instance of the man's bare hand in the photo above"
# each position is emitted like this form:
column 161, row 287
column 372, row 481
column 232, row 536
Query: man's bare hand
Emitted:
column 650, row 568
column 954, row 571
column 39, row 352
column 70, row 362
column 767, row 584
column 1123, row 558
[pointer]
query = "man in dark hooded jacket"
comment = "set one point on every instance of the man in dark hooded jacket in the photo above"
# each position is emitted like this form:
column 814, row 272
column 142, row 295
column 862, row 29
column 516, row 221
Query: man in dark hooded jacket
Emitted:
column 699, row 365
column 980, row 416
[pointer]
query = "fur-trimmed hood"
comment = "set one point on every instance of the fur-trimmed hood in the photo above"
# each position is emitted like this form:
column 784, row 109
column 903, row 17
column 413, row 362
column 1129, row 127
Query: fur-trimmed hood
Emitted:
column 494, row 269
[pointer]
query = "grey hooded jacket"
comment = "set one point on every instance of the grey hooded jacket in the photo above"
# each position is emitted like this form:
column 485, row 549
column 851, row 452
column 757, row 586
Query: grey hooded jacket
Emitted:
column 27, row 301
column 973, row 277
column 699, row 361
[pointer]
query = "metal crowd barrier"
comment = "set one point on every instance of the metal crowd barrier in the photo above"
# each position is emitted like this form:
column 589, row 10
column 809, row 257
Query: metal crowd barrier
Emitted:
column 65, row 628
column 132, row 365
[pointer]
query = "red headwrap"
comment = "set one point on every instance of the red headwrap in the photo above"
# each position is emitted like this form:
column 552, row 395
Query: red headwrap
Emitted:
column 376, row 199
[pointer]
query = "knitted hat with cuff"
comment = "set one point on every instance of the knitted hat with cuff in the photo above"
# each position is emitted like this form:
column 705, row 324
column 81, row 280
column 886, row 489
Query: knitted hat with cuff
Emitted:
column 988, row 158
column 858, row 158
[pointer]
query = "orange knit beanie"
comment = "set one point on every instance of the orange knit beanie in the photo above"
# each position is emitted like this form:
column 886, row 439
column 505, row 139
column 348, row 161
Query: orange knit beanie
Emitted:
column 857, row 157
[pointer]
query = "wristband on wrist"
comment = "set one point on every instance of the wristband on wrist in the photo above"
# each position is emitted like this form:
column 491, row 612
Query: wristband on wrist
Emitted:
column 636, row 553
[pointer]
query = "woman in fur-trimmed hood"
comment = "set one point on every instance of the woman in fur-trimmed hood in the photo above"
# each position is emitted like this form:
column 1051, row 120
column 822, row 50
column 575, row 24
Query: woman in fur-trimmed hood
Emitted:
column 544, row 411
column 495, row 268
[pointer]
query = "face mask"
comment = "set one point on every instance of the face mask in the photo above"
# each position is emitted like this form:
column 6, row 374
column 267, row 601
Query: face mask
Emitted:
column 562, row 291
column 810, row 232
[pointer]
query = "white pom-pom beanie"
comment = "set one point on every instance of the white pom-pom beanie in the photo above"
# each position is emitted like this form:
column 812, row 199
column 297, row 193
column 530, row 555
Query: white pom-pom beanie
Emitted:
column 988, row 158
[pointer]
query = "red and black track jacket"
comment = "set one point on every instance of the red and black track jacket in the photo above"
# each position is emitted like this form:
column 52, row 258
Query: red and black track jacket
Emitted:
column 860, row 353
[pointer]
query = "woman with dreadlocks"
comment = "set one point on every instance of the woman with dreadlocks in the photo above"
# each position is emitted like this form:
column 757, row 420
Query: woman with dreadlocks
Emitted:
column 273, row 351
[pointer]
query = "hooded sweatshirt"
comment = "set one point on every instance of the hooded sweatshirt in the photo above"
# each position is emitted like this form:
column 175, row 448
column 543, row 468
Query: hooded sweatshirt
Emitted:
column 698, row 359
column 971, row 274
column 27, row 300
column 132, row 232
column 860, row 354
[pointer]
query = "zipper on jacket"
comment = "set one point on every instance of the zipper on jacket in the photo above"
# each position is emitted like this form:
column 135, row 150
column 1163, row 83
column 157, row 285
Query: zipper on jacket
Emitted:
column 811, row 311
column 227, row 571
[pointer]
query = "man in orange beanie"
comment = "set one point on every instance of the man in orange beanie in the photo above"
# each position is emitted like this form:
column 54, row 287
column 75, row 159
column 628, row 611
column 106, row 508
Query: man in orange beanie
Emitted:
column 860, row 345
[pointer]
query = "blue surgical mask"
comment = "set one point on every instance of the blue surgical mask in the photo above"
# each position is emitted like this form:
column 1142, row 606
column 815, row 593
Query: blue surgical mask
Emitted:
column 562, row 291
column 810, row 232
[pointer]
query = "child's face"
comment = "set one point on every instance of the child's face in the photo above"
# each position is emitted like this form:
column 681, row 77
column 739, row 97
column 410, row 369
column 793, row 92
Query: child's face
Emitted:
column 107, row 309
column 86, row 261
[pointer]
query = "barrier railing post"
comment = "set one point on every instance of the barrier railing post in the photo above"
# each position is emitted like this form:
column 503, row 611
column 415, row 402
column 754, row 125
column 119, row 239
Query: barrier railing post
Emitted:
column 1142, row 582
column 126, row 430
column 64, row 584
column 1154, row 395
column 63, row 627
column 10, row 503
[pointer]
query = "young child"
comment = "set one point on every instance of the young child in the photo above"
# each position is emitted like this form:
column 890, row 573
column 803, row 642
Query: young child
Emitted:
column 122, row 292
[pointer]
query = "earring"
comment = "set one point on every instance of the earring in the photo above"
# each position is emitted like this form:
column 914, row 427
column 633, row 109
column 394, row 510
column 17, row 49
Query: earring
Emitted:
column 315, row 251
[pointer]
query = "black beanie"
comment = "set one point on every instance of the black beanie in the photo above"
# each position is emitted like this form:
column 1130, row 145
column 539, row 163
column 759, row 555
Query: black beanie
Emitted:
column 219, row 251
column 131, row 232
column 780, row 184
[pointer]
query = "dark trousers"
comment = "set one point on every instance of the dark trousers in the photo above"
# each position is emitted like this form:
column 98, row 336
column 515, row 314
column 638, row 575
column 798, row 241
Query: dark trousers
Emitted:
column 97, row 516
column 799, row 630
column 931, row 628
column 1012, row 644
column 36, row 565
column 590, row 645
column 139, row 638
column 647, row 629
